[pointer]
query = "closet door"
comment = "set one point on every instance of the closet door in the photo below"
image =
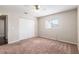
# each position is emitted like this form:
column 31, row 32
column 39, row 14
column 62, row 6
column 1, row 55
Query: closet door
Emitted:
column 26, row 28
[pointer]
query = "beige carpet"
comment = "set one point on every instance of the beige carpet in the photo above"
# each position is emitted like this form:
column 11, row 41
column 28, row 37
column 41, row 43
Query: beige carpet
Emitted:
column 38, row 46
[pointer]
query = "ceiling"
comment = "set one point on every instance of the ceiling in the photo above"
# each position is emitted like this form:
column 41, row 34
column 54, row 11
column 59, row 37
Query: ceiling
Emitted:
column 43, row 10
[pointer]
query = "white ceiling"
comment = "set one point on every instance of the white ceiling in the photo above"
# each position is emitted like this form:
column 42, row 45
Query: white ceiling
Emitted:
column 43, row 11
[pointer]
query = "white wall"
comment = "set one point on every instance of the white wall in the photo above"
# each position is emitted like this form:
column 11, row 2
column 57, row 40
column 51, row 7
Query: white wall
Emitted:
column 78, row 25
column 13, row 27
column 16, row 32
column 65, row 31
column 13, row 24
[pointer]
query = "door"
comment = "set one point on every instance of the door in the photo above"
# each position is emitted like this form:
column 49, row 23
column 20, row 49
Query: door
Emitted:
column 3, row 39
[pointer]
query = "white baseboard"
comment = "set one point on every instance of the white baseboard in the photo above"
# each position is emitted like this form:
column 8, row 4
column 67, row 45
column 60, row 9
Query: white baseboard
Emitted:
column 62, row 41
column 13, row 41
column 41, row 37
column 20, row 40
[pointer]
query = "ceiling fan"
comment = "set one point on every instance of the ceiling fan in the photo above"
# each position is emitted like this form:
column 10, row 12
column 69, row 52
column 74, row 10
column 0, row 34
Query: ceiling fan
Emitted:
column 37, row 7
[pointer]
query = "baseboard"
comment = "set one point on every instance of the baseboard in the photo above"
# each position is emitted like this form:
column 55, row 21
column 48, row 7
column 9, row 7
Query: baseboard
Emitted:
column 44, row 38
column 13, row 41
column 20, row 40
column 61, row 41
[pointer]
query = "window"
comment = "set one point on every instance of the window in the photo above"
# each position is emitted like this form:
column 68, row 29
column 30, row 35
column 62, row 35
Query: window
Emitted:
column 54, row 22
column 51, row 23
column 48, row 24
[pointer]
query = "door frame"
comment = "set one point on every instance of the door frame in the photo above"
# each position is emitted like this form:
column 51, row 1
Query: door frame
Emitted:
column 4, row 17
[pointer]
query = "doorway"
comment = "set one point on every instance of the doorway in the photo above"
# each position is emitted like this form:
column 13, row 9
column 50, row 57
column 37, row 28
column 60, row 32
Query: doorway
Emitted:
column 3, row 30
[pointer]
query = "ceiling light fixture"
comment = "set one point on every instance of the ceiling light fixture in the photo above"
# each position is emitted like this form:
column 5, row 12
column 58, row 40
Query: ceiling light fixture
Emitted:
column 37, row 7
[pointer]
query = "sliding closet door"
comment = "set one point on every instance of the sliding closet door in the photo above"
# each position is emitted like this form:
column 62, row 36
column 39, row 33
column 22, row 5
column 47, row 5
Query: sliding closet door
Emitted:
column 26, row 28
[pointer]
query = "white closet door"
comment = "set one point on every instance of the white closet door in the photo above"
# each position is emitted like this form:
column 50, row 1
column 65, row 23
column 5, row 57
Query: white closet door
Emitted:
column 26, row 28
